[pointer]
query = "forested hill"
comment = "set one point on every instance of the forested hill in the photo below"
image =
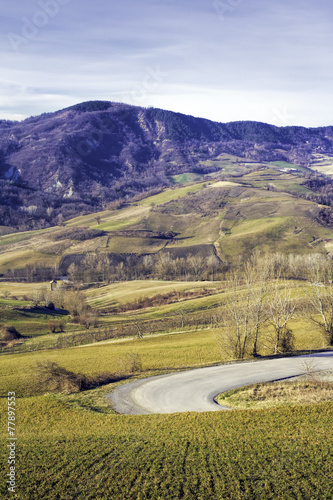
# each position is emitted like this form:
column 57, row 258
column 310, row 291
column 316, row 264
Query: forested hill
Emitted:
column 93, row 153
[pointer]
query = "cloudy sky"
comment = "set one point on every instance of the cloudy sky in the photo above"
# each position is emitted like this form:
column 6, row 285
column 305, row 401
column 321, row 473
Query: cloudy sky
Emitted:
column 220, row 59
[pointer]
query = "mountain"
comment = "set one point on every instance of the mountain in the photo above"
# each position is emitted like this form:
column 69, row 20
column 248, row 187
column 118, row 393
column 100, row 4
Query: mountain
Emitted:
column 79, row 159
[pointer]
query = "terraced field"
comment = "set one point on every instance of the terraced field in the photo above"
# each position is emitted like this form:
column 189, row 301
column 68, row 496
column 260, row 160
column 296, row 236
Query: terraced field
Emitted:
column 227, row 216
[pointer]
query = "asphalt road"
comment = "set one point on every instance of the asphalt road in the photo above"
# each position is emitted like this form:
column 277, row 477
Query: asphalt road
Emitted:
column 195, row 390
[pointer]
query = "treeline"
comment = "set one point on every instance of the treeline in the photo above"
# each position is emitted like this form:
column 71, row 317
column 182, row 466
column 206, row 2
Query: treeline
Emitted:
column 31, row 274
column 261, row 298
column 98, row 268
column 95, row 268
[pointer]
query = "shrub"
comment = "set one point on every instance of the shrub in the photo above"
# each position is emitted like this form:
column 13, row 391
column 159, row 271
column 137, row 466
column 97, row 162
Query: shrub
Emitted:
column 287, row 341
column 55, row 378
column 9, row 333
column 55, row 326
column 131, row 363
column 52, row 377
column 88, row 321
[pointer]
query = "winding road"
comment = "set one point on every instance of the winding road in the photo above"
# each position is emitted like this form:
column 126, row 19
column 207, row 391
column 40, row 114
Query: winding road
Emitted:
column 195, row 390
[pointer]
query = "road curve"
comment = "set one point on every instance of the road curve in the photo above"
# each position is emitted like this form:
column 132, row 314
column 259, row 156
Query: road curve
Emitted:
column 195, row 390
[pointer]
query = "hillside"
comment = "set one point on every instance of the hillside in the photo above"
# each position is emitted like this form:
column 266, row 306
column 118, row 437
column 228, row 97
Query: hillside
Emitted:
column 179, row 233
column 80, row 159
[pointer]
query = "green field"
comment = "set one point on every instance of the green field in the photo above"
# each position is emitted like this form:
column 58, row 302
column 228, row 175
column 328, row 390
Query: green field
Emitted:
column 123, row 293
column 171, row 194
column 185, row 178
column 306, row 390
column 70, row 453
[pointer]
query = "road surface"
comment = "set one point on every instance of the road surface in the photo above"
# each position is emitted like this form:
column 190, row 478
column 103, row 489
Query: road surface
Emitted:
column 195, row 390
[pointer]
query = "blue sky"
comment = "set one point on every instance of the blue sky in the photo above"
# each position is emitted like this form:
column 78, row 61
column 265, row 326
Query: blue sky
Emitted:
column 220, row 59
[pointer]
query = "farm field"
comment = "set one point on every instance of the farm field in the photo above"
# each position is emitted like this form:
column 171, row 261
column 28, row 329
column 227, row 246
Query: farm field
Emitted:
column 71, row 453
column 124, row 309
column 122, row 293
column 323, row 164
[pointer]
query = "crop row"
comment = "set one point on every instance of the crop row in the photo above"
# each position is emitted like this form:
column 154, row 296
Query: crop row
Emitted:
column 66, row 453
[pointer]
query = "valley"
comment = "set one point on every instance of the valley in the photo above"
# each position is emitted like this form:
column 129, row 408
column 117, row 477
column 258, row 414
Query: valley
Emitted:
column 215, row 254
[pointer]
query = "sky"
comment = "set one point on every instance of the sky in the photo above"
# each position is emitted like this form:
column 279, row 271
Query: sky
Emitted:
column 225, row 60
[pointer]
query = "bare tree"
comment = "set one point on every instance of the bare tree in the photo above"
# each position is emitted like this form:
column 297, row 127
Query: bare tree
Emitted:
column 280, row 310
column 163, row 265
column 252, row 305
column 309, row 366
column 120, row 271
column 74, row 273
column 182, row 313
column 103, row 266
column 240, row 314
column 139, row 331
column 196, row 263
column 213, row 263
column 320, row 297
column 260, row 268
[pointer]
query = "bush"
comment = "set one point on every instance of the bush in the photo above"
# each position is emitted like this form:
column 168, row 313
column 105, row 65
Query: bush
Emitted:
column 88, row 321
column 131, row 363
column 55, row 326
column 286, row 342
column 52, row 377
column 55, row 378
column 9, row 333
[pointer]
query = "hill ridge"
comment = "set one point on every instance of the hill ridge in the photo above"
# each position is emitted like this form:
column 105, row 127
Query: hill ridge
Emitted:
column 85, row 156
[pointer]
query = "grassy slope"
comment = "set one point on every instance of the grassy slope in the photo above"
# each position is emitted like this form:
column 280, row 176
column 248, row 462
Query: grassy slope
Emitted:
column 125, row 292
column 193, row 310
column 249, row 214
column 69, row 453
column 163, row 352
column 272, row 394
column 323, row 164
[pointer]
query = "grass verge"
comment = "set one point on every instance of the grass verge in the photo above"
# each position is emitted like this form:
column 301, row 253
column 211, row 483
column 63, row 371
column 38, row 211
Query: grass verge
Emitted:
column 272, row 394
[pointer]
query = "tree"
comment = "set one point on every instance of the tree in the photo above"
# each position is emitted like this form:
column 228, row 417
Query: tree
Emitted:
column 103, row 266
column 261, row 268
column 60, row 220
column 75, row 303
column 239, row 316
column 320, row 297
column 213, row 263
column 74, row 273
column 120, row 271
column 280, row 310
column 163, row 265
column 196, row 263
column 245, row 314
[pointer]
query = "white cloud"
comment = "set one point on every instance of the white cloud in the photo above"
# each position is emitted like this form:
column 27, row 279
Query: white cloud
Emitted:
column 262, row 57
